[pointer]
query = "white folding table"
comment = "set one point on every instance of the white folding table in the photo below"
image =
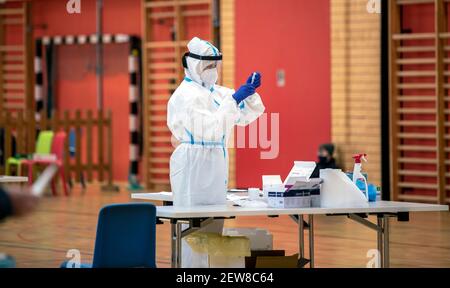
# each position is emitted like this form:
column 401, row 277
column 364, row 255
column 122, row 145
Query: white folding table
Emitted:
column 4, row 179
column 200, row 216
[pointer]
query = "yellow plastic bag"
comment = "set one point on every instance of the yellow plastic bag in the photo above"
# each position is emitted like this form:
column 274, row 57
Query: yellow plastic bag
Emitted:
column 215, row 244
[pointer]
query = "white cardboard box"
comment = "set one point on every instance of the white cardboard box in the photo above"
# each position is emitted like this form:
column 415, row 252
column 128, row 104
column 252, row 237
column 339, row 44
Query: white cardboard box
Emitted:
column 297, row 191
column 260, row 239
column 272, row 183
column 301, row 171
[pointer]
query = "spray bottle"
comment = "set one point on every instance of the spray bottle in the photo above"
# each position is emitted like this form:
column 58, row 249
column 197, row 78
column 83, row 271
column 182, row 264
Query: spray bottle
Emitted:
column 357, row 175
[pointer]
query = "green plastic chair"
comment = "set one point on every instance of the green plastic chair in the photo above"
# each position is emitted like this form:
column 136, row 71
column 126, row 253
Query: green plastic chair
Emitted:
column 43, row 146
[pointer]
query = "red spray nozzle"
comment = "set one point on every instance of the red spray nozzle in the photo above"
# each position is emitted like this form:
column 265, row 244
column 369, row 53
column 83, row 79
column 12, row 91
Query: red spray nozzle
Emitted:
column 358, row 157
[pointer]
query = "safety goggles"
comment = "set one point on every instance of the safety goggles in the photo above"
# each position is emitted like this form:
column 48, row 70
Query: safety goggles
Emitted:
column 214, row 59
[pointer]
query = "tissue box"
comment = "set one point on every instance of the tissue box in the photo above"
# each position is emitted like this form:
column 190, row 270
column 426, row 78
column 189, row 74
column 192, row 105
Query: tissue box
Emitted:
column 300, row 195
column 297, row 191
column 290, row 199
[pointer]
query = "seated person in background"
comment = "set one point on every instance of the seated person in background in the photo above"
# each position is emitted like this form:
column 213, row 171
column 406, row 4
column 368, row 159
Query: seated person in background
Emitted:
column 326, row 159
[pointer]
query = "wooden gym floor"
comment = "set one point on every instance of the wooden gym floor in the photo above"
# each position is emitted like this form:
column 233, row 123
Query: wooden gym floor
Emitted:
column 43, row 238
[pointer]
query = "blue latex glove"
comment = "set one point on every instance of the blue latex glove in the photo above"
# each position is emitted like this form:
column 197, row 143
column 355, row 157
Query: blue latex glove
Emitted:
column 256, row 82
column 243, row 92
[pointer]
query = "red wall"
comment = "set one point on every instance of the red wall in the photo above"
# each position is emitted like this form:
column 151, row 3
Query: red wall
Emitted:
column 295, row 36
column 269, row 36
column 76, row 82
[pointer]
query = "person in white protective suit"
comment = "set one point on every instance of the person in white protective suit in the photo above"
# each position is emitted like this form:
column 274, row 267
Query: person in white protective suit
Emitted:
column 201, row 116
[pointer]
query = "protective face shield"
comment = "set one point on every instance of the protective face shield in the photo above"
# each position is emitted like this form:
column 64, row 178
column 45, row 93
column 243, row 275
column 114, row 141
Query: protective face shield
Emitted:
column 209, row 77
column 202, row 62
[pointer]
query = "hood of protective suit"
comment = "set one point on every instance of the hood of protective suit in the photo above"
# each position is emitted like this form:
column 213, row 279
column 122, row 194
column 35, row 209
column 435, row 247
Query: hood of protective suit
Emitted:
column 196, row 68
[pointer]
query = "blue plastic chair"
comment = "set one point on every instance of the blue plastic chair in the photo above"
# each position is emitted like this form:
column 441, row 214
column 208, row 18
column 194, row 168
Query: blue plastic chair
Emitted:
column 125, row 237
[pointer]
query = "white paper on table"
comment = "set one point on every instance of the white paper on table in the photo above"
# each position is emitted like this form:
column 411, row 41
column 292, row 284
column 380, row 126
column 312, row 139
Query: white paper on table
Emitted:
column 244, row 201
column 247, row 203
column 234, row 197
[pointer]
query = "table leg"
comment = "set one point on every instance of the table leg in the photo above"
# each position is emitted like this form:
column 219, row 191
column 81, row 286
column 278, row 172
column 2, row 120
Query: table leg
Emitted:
column 311, row 240
column 386, row 241
column 178, row 239
column 380, row 240
column 173, row 241
column 301, row 237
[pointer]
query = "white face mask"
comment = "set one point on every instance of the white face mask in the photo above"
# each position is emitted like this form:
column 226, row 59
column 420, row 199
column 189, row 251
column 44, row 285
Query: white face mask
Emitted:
column 209, row 77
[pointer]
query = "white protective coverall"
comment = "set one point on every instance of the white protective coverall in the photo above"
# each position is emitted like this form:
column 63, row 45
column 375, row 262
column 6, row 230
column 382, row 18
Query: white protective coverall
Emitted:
column 201, row 116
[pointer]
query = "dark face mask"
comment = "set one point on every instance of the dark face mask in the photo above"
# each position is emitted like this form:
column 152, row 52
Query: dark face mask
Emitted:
column 322, row 159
